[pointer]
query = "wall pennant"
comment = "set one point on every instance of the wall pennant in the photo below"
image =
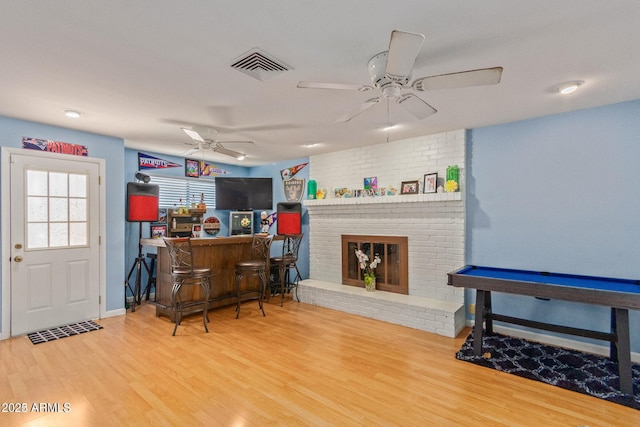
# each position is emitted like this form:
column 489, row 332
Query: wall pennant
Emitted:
column 146, row 161
column 54, row 146
column 207, row 169
column 289, row 173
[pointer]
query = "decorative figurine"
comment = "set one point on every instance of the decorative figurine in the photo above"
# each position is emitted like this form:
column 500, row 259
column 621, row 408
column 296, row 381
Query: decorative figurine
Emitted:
column 264, row 223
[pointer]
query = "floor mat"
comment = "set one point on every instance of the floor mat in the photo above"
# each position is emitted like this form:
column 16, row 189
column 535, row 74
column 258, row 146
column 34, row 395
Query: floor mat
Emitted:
column 63, row 332
column 570, row 369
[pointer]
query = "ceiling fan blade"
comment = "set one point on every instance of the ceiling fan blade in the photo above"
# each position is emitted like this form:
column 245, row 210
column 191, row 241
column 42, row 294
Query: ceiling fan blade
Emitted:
column 481, row 77
column 222, row 150
column 190, row 151
column 236, row 142
column 359, row 109
column 403, row 51
column 193, row 134
column 416, row 106
column 341, row 86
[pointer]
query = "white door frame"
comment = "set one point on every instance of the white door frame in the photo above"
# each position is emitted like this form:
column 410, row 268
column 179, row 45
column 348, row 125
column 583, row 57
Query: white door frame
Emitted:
column 5, row 228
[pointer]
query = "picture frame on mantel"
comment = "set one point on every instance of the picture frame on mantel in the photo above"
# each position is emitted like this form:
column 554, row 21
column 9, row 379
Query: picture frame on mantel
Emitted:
column 430, row 184
column 409, row 187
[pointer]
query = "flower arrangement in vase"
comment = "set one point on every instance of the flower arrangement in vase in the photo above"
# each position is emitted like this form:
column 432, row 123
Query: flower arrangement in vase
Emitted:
column 368, row 269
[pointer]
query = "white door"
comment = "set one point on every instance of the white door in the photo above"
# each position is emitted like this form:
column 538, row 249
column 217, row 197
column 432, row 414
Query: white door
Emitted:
column 55, row 252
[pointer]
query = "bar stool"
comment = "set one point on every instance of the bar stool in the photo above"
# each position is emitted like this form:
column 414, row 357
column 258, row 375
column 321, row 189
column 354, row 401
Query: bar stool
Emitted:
column 282, row 265
column 257, row 266
column 183, row 272
column 151, row 281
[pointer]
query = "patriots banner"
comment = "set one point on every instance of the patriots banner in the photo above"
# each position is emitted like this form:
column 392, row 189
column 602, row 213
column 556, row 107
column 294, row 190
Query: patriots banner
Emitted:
column 146, row 161
column 54, row 146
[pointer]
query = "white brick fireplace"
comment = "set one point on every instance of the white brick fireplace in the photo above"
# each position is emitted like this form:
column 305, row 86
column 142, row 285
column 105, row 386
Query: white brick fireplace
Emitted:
column 433, row 223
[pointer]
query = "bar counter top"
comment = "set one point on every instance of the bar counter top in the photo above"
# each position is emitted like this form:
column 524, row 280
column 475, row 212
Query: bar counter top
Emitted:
column 205, row 241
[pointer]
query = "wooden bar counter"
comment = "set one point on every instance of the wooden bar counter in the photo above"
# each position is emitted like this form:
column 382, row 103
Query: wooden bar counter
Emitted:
column 219, row 253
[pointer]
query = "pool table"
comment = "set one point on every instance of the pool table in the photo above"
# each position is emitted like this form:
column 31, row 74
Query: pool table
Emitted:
column 618, row 294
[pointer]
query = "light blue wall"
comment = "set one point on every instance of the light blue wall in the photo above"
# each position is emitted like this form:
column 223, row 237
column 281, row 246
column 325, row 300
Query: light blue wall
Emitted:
column 269, row 171
column 102, row 147
column 557, row 194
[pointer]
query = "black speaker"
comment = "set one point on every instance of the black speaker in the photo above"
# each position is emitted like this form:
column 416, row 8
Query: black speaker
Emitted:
column 289, row 218
column 142, row 202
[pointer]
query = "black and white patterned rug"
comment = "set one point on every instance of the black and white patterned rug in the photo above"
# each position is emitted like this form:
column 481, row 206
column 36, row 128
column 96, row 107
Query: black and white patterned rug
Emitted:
column 63, row 331
column 570, row 369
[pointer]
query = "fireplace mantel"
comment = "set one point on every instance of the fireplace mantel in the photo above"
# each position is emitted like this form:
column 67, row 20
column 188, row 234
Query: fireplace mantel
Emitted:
column 402, row 198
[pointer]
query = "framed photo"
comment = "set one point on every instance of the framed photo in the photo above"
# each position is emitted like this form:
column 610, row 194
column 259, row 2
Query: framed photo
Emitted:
column 162, row 215
column 192, row 168
column 158, row 231
column 371, row 183
column 430, row 183
column 196, row 231
column 409, row 187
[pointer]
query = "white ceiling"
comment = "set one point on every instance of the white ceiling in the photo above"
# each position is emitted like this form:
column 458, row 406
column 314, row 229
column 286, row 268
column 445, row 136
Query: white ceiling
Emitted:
column 141, row 69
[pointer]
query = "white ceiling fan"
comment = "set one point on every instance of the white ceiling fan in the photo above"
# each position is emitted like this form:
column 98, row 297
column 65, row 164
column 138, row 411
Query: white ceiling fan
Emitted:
column 391, row 70
column 206, row 140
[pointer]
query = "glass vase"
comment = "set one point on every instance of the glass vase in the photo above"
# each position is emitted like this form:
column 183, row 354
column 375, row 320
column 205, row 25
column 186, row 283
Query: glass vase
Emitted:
column 370, row 283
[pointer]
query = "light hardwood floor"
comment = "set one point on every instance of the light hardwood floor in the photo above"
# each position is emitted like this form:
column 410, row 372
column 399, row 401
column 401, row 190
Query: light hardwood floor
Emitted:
column 299, row 365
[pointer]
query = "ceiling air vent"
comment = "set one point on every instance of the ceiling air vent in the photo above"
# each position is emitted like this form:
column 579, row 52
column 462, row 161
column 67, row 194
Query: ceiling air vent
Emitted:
column 259, row 65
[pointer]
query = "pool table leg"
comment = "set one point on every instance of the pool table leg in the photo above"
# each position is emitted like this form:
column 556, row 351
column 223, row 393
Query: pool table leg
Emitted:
column 477, row 328
column 621, row 349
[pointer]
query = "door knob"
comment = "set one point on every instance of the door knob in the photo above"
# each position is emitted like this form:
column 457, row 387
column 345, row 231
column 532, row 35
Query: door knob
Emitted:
column 17, row 259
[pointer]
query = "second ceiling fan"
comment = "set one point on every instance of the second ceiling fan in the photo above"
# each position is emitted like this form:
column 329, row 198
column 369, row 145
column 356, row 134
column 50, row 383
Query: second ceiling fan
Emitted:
column 391, row 71
column 206, row 140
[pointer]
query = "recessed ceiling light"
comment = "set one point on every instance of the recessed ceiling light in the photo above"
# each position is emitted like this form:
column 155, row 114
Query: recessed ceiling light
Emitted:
column 570, row 87
column 311, row 144
column 72, row 114
column 386, row 128
column 241, row 157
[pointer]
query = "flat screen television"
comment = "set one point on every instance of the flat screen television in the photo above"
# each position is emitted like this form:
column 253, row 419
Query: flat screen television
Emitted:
column 242, row 194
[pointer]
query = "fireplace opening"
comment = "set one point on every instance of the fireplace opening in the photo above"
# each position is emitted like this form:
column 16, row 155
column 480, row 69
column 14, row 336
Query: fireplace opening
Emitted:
column 393, row 270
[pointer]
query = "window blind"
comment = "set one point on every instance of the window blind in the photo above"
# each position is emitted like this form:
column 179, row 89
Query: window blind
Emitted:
column 173, row 189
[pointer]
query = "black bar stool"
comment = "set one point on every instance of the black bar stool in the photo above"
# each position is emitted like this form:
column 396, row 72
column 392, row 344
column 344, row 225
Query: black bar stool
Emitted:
column 258, row 266
column 151, row 281
column 183, row 272
column 281, row 266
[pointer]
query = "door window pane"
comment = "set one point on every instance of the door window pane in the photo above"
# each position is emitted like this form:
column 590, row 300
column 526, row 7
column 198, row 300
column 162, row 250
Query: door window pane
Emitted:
column 58, row 234
column 37, row 209
column 37, row 235
column 58, row 184
column 58, row 209
column 37, row 183
column 77, row 234
column 77, row 209
column 77, row 185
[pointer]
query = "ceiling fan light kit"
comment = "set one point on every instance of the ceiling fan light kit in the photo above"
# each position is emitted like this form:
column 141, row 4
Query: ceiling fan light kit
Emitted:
column 390, row 71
